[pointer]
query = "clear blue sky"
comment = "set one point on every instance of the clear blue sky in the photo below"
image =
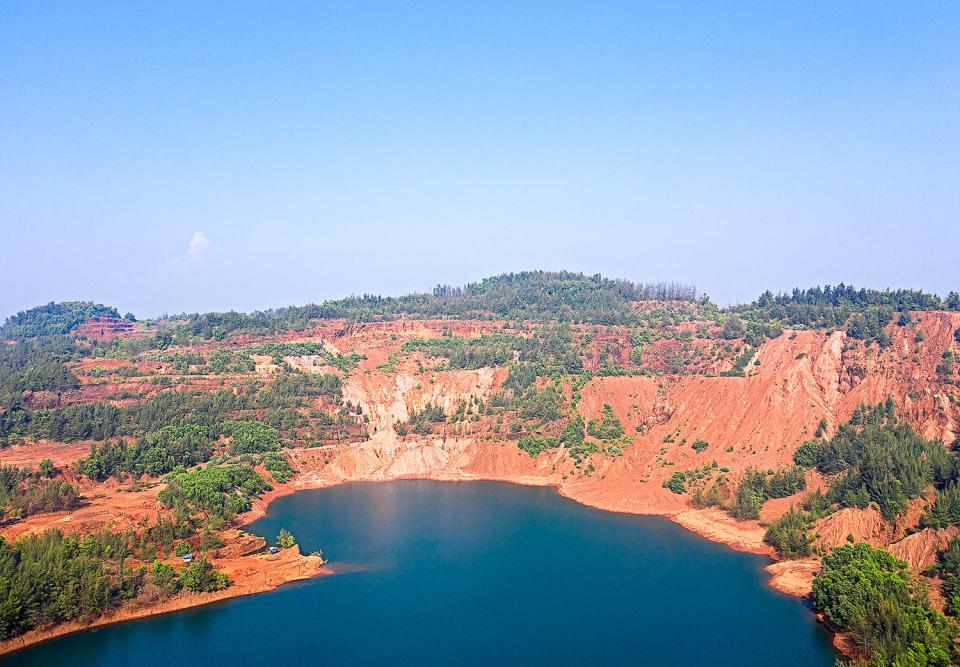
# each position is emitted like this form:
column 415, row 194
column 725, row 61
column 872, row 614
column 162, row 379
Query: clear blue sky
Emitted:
column 169, row 157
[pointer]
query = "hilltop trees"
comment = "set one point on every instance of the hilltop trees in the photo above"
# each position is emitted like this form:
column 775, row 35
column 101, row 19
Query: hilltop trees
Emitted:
column 53, row 318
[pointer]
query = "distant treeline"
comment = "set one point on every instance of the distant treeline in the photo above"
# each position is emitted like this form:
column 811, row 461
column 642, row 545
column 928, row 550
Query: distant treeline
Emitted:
column 530, row 295
column 830, row 306
column 575, row 297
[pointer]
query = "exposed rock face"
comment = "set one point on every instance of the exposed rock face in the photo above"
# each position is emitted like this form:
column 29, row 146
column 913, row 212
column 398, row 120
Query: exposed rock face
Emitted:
column 759, row 420
column 853, row 525
column 920, row 549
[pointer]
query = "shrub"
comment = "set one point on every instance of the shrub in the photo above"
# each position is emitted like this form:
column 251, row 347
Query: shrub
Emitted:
column 788, row 534
column 534, row 444
column 882, row 460
column 200, row 576
column 278, row 466
column 945, row 509
column 677, row 482
column 945, row 367
column 223, row 491
column 165, row 577
column 609, row 427
column 572, row 434
column 785, row 482
column 285, row 539
column 807, row 453
column 751, row 495
column 948, row 567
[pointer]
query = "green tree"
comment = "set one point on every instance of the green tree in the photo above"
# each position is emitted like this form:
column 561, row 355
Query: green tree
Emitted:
column 252, row 437
column 200, row 576
column 165, row 577
column 47, row 468
column 285, row 539
column 868, row 592
column 788, row 534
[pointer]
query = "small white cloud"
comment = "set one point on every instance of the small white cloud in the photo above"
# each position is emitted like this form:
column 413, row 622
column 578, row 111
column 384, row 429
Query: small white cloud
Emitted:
column 198, row 243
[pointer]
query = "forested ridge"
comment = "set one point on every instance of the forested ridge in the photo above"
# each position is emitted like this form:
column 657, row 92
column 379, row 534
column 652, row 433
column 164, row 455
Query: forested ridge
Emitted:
column 530, row 295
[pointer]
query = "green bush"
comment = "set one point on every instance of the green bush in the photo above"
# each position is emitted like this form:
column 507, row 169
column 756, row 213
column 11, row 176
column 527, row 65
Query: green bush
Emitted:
column 534, row 444
column 677, row 482
column 944, row 510
column 751, row 495
column 785, row 482
column 572, row 433
column 807, row 453
column 222, row 491
column 201, row 577
column 788, row 534
column 285, row 539
column 948, row 567
column 165, row 577
column 877, row 458
column 279, row 466
column 608, row 428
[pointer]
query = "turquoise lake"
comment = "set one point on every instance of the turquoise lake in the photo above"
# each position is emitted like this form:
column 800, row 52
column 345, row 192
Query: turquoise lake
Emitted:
column 476, row 573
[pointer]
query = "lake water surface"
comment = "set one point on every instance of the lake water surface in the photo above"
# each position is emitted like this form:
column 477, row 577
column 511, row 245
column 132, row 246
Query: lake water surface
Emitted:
column 477, row 573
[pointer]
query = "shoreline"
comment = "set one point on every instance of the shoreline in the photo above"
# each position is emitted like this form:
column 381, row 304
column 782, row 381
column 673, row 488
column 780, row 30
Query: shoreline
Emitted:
column 287, row 568
column 786, row 576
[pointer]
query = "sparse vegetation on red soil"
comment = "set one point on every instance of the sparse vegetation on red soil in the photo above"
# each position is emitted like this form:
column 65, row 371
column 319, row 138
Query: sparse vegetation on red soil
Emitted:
column 607, row 399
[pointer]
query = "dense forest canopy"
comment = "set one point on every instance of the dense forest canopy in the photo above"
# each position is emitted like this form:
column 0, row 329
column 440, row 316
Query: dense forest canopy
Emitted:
column 529, row 295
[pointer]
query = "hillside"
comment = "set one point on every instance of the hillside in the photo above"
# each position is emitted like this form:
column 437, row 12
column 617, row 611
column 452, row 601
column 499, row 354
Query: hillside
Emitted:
column 644, row 399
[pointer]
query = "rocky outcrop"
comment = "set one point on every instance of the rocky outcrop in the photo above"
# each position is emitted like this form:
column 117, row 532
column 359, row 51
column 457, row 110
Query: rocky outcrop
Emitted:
column 853, row 525
column 920, row 549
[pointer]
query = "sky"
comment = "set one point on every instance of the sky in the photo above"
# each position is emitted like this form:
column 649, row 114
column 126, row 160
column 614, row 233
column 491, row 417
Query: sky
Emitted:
column 168, row 157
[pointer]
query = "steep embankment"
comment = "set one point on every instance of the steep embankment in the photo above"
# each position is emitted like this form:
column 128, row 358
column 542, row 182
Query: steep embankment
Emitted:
column 794, row 382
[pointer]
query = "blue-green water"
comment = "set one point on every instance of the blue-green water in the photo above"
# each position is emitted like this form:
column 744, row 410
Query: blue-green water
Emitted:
column 477, row 574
